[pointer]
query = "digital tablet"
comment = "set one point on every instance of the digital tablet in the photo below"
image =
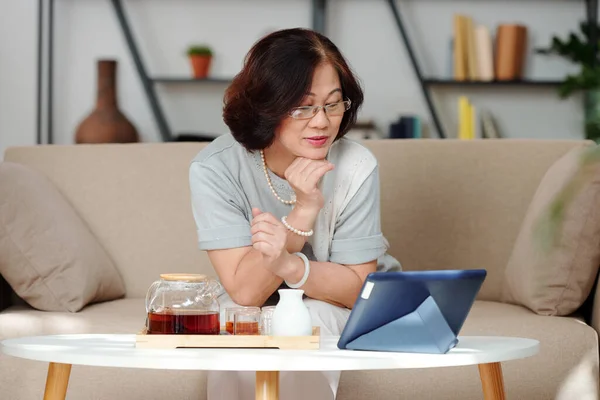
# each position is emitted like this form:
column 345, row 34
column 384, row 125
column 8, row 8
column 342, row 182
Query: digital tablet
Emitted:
column 411, row 311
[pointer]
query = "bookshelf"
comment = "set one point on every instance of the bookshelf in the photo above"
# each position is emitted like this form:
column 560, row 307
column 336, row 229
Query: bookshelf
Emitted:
column 428, row 83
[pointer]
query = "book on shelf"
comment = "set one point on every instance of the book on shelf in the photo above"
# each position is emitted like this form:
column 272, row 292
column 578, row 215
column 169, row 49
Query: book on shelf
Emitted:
column 511, row 42
column 474, row 124
column 466, row 119
column 489, row 128
column 476, row 55
column 406, row 127
column 485, row 53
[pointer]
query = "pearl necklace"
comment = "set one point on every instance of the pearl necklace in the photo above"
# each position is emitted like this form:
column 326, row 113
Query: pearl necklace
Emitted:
column 288, row 202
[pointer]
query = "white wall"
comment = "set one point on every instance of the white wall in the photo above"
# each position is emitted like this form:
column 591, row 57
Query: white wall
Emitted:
column 17, row 73
column 364, row 30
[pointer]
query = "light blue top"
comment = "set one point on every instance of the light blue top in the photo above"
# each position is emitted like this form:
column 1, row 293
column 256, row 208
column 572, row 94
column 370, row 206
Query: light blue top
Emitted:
column 226, row 181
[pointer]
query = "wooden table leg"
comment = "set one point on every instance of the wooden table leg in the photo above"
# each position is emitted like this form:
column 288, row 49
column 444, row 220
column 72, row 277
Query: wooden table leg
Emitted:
column 267, row 385
column 492, row 382
column 57, row 381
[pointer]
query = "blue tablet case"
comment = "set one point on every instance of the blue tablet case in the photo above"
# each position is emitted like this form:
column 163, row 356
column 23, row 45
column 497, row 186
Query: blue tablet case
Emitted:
column 416, row 311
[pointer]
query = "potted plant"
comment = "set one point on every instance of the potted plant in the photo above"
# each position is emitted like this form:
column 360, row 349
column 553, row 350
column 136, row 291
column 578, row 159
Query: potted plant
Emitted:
column 579, row 49
column 200, row 58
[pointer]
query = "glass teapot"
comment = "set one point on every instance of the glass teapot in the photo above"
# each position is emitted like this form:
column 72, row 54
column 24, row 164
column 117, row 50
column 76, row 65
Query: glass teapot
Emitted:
column 183, row 304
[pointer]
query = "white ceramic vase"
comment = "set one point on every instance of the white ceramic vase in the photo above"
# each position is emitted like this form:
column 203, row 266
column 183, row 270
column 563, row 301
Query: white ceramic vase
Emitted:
column 291, row 317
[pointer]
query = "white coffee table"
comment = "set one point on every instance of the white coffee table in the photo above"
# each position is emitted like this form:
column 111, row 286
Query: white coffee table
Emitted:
column 63, row 351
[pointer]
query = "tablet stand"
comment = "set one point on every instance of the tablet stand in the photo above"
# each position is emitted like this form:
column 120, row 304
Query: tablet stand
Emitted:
column 424, row 330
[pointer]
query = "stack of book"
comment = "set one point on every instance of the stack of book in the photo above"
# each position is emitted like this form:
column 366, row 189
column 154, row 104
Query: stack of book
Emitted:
column 471, row 124
column 407, row 127
column 468, row 126
column 477, row 56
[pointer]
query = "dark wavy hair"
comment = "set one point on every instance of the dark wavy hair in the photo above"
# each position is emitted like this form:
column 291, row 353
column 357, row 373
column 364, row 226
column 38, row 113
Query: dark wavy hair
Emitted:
column 276, row 76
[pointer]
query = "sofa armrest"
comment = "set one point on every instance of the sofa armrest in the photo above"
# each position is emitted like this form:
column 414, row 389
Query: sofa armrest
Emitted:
column 5, row 294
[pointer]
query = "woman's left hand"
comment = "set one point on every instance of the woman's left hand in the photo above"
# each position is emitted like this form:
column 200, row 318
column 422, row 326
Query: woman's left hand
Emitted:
column 269, row 237
column 303, row 175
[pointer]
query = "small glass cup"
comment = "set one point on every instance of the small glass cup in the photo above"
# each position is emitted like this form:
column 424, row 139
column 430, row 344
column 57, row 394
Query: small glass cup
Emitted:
column 266, row 318
column 245, row 321
column 230, row 316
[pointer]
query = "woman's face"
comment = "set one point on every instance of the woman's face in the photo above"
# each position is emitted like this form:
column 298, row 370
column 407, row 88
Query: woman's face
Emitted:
column 311, row 138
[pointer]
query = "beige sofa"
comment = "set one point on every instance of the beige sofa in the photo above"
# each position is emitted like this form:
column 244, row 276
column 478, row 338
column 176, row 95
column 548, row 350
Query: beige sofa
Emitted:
column 445, row 205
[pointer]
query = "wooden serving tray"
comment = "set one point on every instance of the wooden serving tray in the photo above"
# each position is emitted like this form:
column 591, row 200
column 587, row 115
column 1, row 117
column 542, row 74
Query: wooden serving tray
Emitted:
column 158, row 341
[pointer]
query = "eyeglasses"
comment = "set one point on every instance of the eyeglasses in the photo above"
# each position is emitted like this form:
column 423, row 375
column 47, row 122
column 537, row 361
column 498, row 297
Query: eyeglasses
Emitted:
column 332, row 110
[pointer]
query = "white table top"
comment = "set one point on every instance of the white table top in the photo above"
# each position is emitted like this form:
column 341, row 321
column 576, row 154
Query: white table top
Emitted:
column 120, row 351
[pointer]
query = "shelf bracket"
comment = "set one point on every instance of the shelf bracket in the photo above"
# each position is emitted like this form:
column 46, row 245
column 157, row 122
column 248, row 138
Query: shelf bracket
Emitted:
column 50, row 93
column 163, row 127
column 415, row 65
column 318, row 15
column 40, row 39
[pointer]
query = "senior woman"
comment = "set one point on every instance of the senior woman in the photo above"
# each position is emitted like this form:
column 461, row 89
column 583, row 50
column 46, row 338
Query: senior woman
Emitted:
column 284, row 200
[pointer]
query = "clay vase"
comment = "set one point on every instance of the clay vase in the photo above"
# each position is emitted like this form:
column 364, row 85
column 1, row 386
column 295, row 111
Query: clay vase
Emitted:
column 200, row 66
column 106, row 123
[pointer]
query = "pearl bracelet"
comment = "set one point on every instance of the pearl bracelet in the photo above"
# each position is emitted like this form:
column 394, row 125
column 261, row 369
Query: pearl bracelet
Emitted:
column 296, row 231
column 306, row 272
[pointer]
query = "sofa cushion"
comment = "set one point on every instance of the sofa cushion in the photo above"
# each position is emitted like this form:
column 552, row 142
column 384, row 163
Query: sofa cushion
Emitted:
column 556, row 279
column 47, row 253
column 126, row 315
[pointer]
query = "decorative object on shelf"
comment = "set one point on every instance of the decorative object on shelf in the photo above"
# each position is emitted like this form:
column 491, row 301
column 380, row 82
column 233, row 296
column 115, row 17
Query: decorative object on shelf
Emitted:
column 364, row 130
column 489, row 126
column 291, row 317
column 511, row 44
column 106, row 123
column 406, row 127
column 478, row 57
column 580, row 49
column 200, row 58
column 471, row 50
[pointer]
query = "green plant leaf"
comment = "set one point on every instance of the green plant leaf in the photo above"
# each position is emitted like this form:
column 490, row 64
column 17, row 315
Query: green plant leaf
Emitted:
column 199, row 50
column 578, row 49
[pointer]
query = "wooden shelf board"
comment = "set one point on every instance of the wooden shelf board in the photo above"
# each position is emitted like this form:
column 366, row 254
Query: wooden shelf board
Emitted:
column 524, row 82
column 169, row 79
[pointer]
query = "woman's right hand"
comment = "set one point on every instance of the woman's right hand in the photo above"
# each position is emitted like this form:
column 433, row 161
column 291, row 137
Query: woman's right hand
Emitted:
column 269, row 237
column 303, row 175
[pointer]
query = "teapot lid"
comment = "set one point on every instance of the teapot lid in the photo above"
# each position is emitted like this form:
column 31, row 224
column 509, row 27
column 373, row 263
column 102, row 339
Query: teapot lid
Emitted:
column 183, row 277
